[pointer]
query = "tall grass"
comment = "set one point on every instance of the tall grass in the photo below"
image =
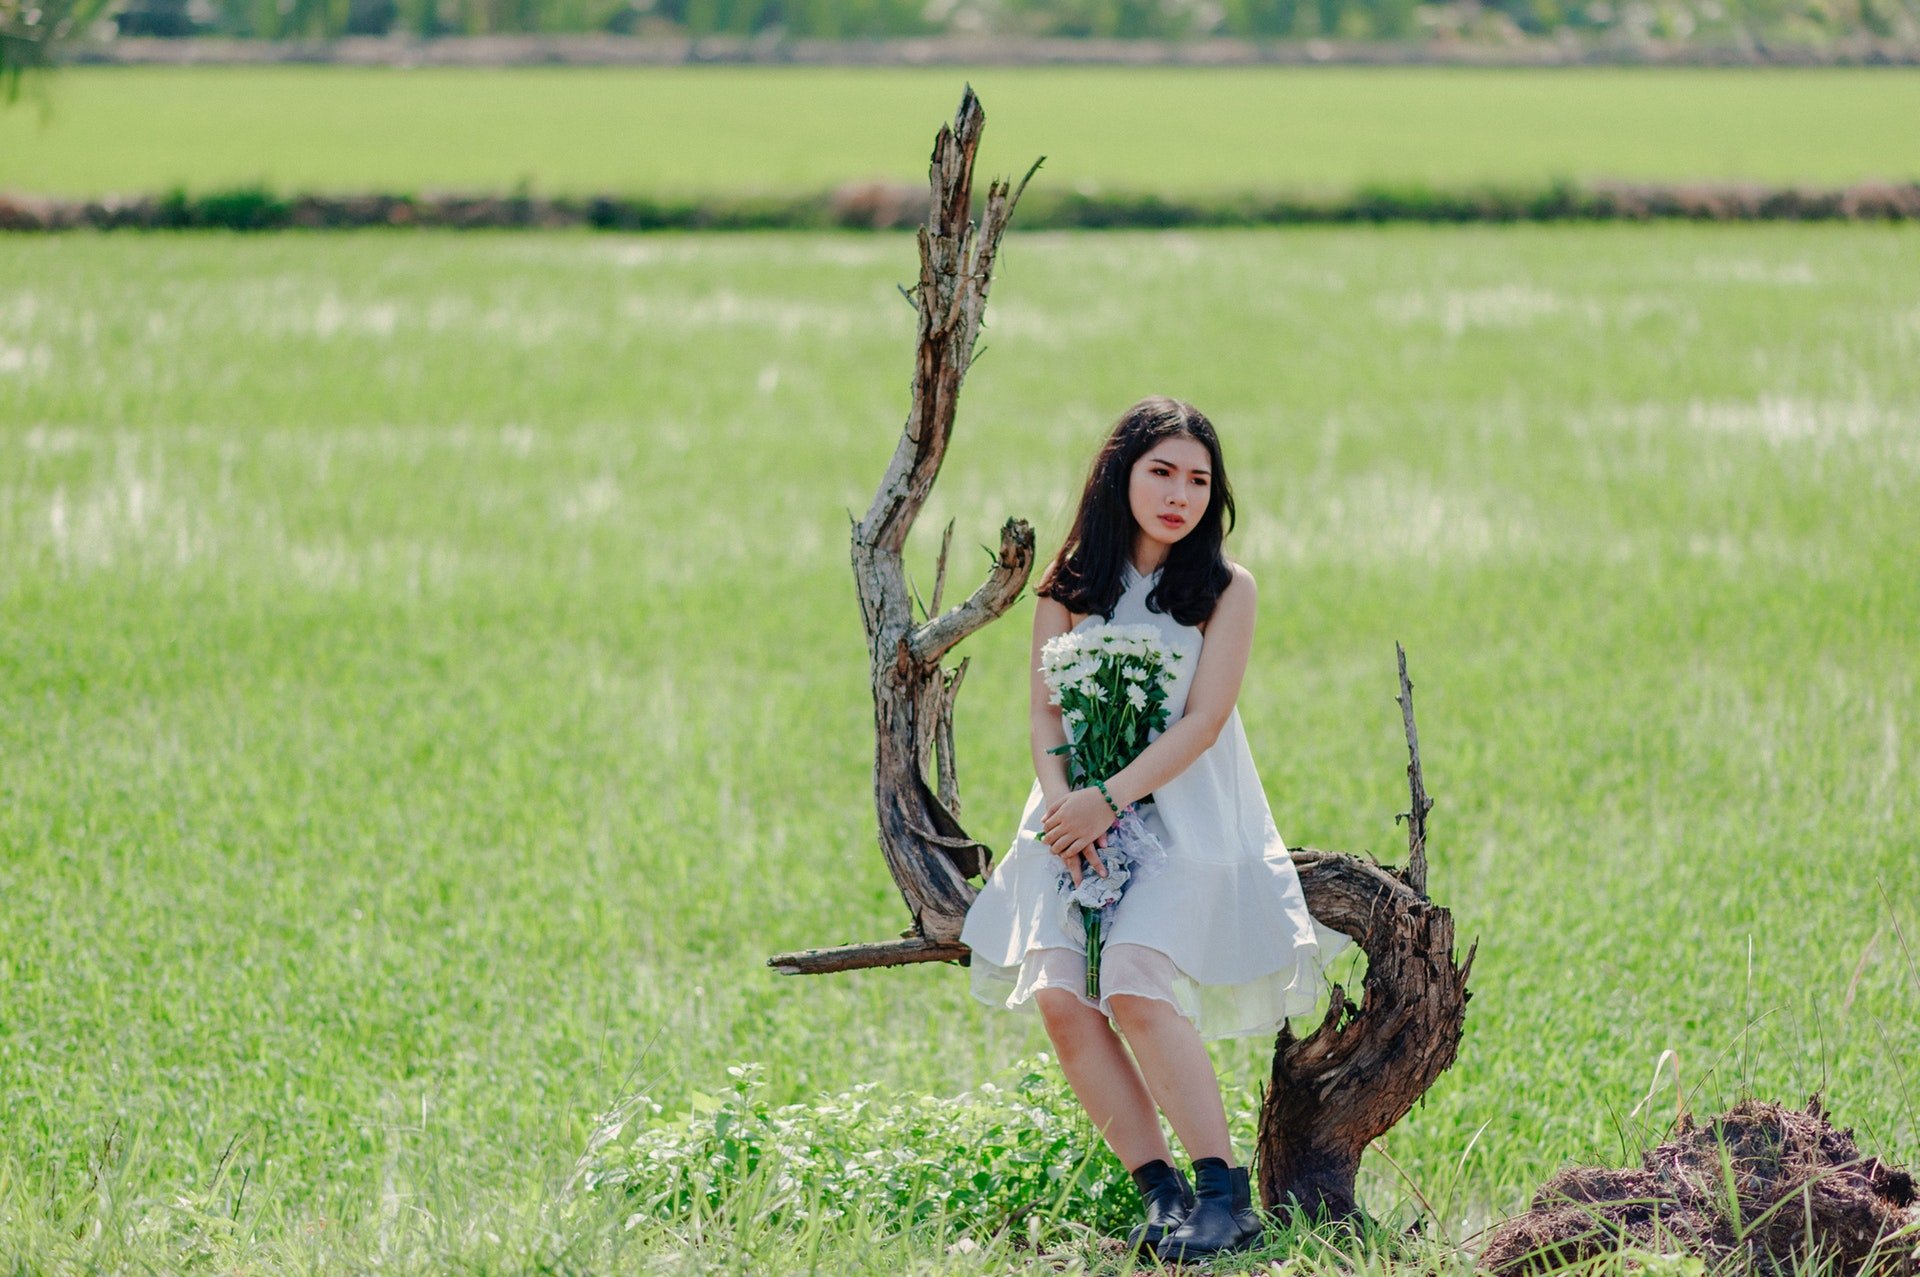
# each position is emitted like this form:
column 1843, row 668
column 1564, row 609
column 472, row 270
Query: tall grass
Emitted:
column 431, row 686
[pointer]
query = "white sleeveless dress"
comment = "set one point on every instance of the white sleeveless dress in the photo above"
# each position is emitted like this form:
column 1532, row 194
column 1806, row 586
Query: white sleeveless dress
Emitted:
column 1223, row 932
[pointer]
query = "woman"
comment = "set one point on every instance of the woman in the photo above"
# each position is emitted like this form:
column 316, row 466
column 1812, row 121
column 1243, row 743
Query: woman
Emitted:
column 1219, row 943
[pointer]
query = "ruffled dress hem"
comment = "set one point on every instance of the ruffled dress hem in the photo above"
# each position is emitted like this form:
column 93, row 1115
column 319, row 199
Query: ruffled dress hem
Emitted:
column 1249, row 1008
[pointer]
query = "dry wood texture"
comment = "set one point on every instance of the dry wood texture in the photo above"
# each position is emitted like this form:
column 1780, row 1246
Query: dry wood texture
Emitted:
column 929, row 854
column 880, row 953
column 1334, row 1091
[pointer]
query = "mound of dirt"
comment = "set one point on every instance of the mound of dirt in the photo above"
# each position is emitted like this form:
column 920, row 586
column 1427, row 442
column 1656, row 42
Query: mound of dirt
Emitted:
column 1764, row 1184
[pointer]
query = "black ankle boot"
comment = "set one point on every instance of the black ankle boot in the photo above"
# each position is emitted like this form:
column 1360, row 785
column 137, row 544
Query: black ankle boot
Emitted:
column 1222, row 1218
column 1168, row 1198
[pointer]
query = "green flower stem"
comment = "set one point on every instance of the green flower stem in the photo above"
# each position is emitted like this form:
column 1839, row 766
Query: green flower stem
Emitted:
column 1091, row 917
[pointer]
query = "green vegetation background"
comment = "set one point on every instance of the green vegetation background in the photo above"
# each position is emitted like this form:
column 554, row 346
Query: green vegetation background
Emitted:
column 432, row 685
column 1722, row 22
column 1170, row 130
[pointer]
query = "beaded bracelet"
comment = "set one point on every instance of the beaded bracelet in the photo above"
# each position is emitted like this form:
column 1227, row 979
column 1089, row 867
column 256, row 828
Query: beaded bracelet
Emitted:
column 1102, row 786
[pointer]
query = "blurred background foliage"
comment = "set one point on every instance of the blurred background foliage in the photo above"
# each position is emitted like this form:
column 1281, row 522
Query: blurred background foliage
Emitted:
column 30, row 31
column 1733, row 22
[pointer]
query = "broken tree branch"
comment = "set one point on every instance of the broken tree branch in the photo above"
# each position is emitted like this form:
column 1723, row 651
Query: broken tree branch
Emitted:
column 854, row 957
column 1416, row 815
column 1332, row 1093
column 929, row 854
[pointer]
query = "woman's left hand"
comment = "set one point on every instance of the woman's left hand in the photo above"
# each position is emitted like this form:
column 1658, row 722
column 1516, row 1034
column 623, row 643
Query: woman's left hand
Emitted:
column 1076, row 824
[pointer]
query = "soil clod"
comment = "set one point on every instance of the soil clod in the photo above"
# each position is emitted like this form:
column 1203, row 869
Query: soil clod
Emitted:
column 1762, row 1188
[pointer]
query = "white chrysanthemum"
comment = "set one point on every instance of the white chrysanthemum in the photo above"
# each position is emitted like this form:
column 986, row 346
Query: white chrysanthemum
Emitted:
column 1063, row 649
column 1079, row 666
column 1123, row 636
column 1069, row 673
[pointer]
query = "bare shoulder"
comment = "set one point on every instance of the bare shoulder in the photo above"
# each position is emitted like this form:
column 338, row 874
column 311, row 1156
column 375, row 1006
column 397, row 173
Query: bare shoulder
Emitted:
column 1241, row 590
column 1237, row 600
column 1050, row 616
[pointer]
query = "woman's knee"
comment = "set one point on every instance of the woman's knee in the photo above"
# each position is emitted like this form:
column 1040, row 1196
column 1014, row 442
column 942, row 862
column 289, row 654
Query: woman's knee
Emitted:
column 1133, row 1011
column 1066, row 1016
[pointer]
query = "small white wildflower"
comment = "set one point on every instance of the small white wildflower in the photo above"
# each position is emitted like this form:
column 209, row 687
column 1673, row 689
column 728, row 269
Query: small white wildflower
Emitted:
column 1133, row 673
column 1136, row 696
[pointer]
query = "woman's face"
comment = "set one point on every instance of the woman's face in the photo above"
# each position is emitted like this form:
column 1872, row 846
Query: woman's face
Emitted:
column 1171, row 484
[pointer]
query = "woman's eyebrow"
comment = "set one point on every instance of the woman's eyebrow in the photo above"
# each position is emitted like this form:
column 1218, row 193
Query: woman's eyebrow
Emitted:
column 1171, row 466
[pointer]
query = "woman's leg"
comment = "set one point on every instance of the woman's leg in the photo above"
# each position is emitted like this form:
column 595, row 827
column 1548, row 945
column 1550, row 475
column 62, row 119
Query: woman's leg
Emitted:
column 1179, row 1072
column 1104, row 1077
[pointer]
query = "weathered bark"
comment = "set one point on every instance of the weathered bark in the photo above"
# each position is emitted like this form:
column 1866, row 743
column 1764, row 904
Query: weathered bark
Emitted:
column 880, row 953
column 1415, row 815
column 1334, row 1091
column 929, row 854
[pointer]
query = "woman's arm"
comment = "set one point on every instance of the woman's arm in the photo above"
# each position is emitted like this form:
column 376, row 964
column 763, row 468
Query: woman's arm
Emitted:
column 1077, row 819
column 1210, row 699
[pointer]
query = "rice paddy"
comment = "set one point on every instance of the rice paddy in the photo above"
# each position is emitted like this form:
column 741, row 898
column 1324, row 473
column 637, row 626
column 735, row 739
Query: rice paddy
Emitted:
column 431, row 685
column 711, row 130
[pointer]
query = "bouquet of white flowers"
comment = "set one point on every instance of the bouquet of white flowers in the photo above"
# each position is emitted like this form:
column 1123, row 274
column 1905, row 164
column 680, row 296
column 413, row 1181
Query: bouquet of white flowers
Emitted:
column 1111, row 684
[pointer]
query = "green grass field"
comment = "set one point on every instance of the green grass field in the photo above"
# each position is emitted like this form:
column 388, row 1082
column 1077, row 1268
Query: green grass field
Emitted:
column 1168, row 129
column 432, row 684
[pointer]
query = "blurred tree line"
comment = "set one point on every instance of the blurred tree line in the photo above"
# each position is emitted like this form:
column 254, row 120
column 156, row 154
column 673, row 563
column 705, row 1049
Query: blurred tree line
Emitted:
column 1718, row 21
column 31, row 31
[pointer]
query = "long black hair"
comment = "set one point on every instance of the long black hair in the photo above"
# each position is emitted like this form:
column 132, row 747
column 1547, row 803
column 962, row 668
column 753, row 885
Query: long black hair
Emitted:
column 1086, row 574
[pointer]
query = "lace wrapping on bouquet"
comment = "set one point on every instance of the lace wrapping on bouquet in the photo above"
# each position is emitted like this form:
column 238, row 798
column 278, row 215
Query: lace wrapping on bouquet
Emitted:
column 1133, row 853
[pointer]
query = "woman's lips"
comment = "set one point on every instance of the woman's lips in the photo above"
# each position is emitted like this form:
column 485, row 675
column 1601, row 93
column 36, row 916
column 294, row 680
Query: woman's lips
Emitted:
column 1172, row 520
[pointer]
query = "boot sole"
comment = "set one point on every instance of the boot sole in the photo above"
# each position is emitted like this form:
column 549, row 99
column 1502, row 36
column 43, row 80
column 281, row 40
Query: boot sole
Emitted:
column 1186, row 1254
column 1144, row 1241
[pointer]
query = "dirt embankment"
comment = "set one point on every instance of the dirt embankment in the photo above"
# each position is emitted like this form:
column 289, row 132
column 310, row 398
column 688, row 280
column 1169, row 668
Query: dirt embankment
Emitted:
column 884, row 206
column 1762, row 1187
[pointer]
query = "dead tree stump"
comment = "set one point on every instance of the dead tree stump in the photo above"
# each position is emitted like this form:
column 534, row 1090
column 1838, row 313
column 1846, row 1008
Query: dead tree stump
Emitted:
column 1332, row 1092
column 929, row 854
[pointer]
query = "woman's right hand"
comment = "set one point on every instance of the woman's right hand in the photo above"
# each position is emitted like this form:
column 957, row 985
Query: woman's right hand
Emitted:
column 1080, row 863
column 1067, row 829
